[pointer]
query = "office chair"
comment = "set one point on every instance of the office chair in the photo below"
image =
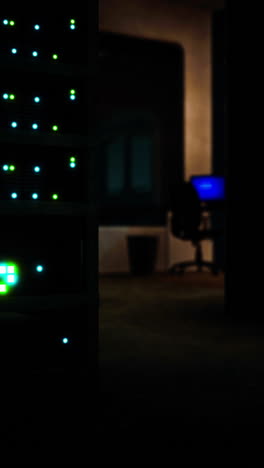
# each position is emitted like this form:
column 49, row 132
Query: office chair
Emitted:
column 187, row 223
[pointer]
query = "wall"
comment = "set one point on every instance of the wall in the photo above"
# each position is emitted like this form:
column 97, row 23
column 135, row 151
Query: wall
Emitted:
column 191, row 28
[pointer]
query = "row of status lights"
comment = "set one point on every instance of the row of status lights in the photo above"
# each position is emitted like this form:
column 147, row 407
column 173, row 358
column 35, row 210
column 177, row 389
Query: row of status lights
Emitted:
column 34, row 126
column 37, row 99
column 37, row 169
column 35, row 53
column 9, row 275
column 35, row 196
column 37, row 27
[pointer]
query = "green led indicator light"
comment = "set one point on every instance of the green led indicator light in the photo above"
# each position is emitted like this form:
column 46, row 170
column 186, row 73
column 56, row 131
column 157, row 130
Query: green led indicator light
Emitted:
column 55, row 128
column 55, row 57
column 72, row 159
column 12, row 168
column 8, row 276
column 3, row 289
column 72, row 91
column 12, row 97
column 11, row 279
column 55, row 196
column 12, row 23
column 72, row 21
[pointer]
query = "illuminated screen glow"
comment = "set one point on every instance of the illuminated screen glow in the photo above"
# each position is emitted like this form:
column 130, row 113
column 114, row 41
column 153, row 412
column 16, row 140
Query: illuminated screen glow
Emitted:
column 9, row 276
column 209, row 187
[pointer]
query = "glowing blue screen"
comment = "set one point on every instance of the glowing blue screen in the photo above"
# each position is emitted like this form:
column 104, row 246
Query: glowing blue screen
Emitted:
column 209, row 187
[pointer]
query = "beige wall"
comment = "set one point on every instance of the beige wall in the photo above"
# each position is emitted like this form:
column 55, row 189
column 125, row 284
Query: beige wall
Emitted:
column 191, row 28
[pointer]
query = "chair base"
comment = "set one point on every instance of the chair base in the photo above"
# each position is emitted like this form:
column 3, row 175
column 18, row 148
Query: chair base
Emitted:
column 179, row 268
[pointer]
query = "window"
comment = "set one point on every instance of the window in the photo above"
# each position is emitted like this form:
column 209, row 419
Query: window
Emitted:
column 115, row 167
column 129, row 167
column 141, row 164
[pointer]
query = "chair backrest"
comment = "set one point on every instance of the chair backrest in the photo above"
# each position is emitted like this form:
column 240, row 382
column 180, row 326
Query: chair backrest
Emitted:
column 186, row 211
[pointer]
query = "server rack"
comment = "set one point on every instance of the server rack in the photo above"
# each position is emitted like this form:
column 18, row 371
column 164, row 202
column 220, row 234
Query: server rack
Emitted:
column 49, row 229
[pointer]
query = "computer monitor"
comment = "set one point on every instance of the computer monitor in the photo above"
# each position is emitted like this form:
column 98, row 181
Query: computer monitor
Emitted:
column 210, row 188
